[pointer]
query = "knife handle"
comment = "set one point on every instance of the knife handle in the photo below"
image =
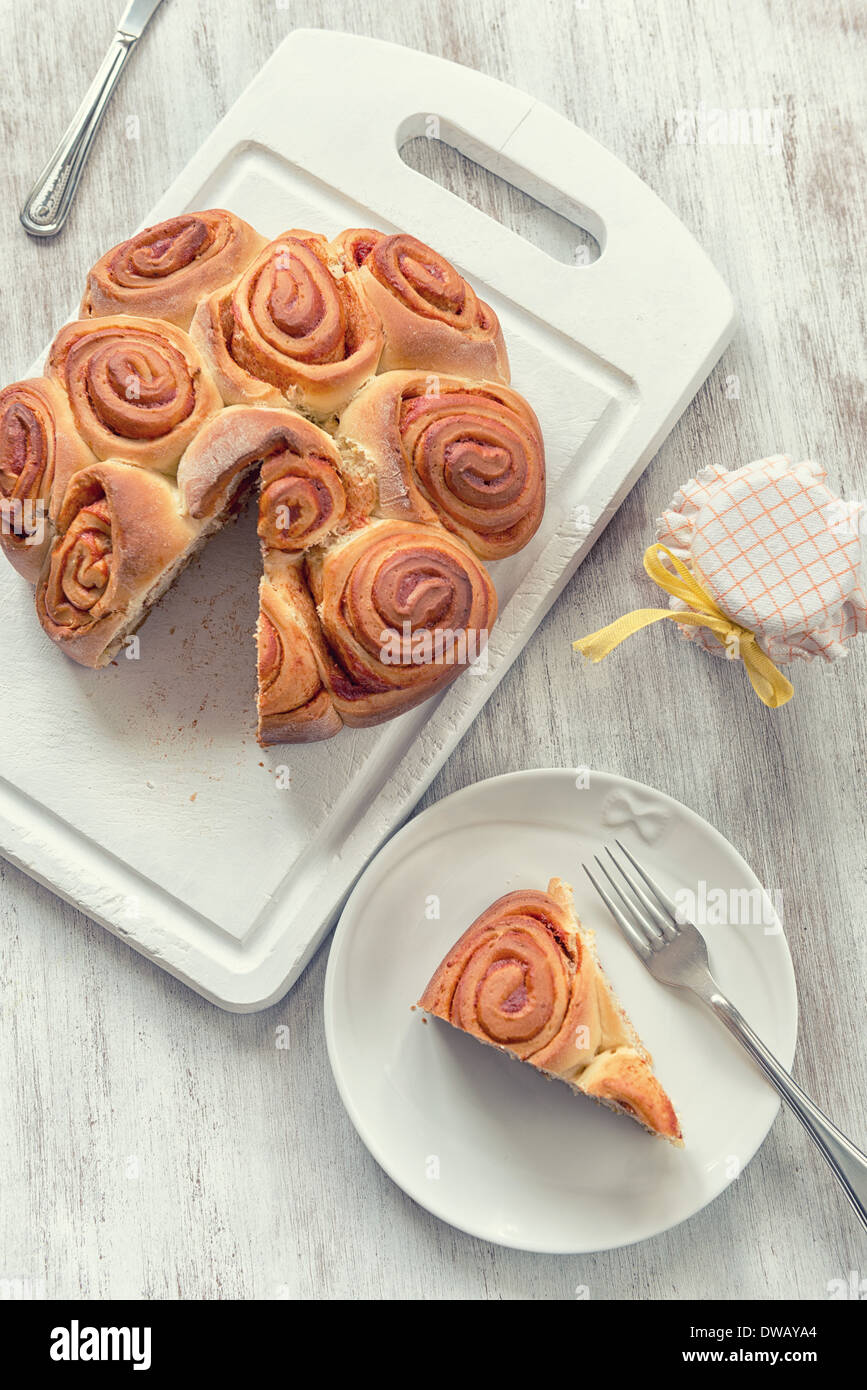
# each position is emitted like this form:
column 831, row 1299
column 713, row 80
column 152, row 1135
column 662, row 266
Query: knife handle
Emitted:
column 50, row 198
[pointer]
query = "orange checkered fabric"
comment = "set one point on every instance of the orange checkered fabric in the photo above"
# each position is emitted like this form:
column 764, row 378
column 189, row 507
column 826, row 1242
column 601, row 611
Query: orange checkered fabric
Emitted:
column 779, row 553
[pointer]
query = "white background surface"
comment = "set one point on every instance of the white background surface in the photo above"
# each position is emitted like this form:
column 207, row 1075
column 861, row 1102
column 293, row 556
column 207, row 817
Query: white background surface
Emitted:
column 156, row 1146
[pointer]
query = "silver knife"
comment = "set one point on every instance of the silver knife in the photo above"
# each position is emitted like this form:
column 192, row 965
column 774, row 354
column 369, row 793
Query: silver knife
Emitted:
column 50, row 198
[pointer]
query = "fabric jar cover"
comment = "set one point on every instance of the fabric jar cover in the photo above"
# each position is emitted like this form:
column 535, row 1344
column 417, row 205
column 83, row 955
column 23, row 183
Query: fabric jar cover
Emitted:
column 779, row 553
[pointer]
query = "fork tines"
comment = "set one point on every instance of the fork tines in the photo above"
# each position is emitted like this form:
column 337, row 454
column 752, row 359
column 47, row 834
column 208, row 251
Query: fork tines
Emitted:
column 646, row 924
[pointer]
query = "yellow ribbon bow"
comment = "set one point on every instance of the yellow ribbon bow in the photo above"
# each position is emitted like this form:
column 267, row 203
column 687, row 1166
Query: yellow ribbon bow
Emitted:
column 767, row 680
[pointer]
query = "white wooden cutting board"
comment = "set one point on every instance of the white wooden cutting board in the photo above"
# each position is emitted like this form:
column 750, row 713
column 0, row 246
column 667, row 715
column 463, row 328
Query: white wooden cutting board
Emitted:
column 139, row 792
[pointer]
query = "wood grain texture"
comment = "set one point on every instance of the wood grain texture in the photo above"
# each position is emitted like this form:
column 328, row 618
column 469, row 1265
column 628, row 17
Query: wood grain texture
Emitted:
column 156, row 1147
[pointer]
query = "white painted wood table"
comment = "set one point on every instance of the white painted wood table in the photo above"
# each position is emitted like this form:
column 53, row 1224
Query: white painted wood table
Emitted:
column 153, row 1146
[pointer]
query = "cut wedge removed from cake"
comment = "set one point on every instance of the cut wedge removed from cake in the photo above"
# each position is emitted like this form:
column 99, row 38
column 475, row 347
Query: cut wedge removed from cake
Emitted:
column 525, row 978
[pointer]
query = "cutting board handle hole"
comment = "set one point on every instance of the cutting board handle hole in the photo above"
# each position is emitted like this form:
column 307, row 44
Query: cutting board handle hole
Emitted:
column 494, row 185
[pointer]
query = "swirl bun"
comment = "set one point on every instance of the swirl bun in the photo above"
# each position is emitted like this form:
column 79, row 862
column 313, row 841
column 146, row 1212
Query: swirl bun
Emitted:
column 390, row 613
column 163, row 271
column 39, row 452
column 137, row 388
column 432, row 317
column 302, row 495
column 469, row 454
column 301, row 499
column 294, row 703
column 525, row 978
column 121, row 542
column 293, row 326
column 403, row 608
column 203, row 359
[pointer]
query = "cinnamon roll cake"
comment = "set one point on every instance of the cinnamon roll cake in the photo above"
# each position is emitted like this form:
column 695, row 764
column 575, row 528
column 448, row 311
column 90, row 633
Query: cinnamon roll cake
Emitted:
column 359, row 385
column 525, row 978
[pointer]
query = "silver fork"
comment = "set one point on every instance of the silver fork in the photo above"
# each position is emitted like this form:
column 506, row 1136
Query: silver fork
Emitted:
column 675, row 953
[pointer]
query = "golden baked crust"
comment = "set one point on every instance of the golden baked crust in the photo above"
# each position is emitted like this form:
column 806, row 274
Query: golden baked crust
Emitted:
column 361, row 617
column 137, row 388
column 431, row 316
column 374, row 595
column 365, row 627
column 466, row 453
column 403, row 609
column 211, row 331
column 525, row 977
column 292, row 322
column 39, row 452
column 294, row 705
column 163, row 271
column 240, row 441
column 121, row 540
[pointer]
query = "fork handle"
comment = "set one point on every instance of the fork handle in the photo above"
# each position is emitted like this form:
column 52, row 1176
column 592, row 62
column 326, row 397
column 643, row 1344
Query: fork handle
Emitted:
column 50, row 198
column 847, row 1163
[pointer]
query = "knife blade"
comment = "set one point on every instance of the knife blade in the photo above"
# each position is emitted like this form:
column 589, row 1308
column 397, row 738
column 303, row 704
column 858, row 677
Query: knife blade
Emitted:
column 137, row 16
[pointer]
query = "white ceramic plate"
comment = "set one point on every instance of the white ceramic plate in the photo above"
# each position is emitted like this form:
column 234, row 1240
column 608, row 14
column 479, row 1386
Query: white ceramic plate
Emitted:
column 489, row 1145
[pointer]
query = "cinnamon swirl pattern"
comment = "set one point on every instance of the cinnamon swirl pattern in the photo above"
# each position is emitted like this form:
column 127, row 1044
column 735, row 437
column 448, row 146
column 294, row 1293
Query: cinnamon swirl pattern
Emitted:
column 295, row 324
column 294, row 703
column 121, row 541
column 389, row 615
column 137, row 388
column 208, row 362
column 431, row 315
column 301, row 498
column 39, row 452
column 302, row 495
column 525, row 978
column 163, row 271
column 403, row 609
column 467, row 453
